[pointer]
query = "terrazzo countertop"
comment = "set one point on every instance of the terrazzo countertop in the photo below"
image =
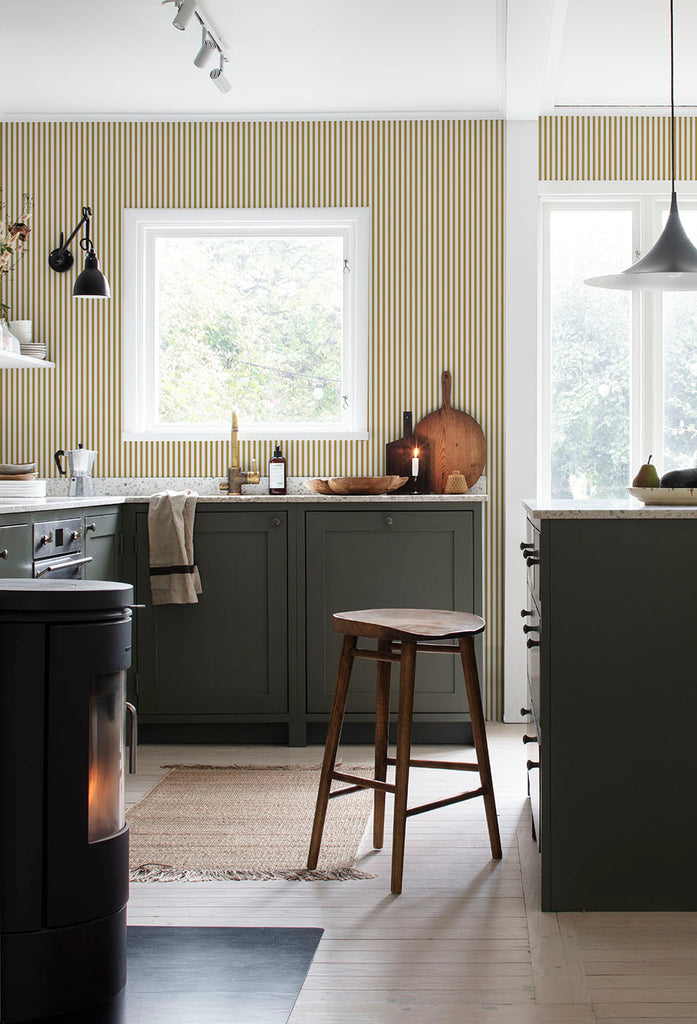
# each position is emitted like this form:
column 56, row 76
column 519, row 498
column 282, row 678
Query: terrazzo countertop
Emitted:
column 129, row 490
column 622, row 508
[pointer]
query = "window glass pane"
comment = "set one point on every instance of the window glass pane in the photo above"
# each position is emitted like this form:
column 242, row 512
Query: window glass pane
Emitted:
column 252, row 322
column 590, row 354
column 680, row 371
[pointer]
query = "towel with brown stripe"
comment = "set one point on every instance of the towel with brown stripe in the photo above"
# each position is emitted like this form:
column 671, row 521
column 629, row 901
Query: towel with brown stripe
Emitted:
column 174, row 577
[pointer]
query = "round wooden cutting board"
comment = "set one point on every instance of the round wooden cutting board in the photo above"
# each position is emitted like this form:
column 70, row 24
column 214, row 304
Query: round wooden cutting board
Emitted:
column 457, row 442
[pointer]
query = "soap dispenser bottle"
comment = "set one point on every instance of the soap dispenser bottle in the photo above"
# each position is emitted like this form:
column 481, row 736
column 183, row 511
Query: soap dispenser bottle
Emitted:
column 277, row 472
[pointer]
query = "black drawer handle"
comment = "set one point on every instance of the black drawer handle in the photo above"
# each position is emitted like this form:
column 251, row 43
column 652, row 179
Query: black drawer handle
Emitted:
column 4, row 553
column 90, row 526
column 531, row 629
column 532, row 561
column 529, row 739
column 532, row 764
column 389, row 521
column 524, row 612
column 525, row 711
column 275, row 521
column 526, row 546
column 532, row 643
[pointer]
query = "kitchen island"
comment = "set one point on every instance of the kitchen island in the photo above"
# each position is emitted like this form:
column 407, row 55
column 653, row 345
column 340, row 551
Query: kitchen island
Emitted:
column 611, row 620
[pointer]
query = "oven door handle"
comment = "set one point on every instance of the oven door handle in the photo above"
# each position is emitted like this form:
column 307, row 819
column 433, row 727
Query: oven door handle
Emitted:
column 75, row 564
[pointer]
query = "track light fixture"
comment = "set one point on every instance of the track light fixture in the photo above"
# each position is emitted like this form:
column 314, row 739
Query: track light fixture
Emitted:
column 219, row 78
column 208, row 48
column 91, row 283
column 185, row 12
column 210, row 42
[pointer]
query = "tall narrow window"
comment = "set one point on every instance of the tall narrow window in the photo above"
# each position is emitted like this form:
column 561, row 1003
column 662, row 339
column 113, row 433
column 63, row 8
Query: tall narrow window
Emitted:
column 680, row 371
column 590, row 349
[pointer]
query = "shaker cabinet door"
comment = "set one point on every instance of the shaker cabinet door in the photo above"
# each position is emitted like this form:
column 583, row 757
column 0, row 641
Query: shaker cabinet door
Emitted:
column 226, row 655
column 15, row 552
column 385, row 559
column 102, row 535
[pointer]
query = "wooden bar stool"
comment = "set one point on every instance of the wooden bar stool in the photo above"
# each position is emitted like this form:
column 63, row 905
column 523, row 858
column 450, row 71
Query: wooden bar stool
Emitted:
column 401, row 633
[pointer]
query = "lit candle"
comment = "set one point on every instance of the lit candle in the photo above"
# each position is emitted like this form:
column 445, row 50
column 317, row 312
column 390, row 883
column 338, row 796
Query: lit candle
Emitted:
column 415, row 463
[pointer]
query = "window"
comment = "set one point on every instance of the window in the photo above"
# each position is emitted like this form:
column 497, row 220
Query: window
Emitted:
column 262, row 310
column 618, row 369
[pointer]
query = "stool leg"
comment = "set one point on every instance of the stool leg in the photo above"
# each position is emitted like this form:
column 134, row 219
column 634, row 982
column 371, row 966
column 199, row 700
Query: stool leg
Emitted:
column 407, row 667
column 474, row 699
column 382, row 728
column 336, row 721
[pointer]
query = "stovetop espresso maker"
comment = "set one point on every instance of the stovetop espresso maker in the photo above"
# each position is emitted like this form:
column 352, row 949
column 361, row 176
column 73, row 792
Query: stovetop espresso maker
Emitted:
column 79, row 468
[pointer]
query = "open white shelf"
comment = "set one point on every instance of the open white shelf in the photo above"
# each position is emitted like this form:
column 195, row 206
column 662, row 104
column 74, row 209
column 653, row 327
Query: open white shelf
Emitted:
column 12, row 361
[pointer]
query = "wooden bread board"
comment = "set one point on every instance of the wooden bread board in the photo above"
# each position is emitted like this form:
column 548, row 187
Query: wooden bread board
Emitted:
column 457, row 442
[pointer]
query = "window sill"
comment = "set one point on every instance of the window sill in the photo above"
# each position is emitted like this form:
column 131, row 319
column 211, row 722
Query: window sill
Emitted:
column 252, row 434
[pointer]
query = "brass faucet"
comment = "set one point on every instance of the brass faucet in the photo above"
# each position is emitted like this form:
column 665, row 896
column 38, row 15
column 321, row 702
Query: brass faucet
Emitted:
column 236, row 476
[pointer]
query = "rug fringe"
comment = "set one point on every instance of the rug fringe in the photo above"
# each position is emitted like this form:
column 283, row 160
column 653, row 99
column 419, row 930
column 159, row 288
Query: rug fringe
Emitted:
column 272, row 767
column 164, row 873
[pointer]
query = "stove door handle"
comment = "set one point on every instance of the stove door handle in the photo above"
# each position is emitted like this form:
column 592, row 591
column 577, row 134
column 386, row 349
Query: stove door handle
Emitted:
column 76, row 563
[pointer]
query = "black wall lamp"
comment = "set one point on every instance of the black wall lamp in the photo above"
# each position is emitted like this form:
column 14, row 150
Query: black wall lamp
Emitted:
column 91, row 283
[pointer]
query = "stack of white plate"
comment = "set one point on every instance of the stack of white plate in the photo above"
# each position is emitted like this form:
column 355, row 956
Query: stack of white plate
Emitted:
column 22, row 488
column 34, row 350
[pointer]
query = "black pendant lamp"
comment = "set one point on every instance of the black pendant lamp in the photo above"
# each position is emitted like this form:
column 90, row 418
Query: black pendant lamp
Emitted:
column 91, row 282
column 671, row 263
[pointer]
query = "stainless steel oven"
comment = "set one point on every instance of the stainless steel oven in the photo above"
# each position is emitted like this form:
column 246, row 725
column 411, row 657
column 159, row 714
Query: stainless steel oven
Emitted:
column 59, row 550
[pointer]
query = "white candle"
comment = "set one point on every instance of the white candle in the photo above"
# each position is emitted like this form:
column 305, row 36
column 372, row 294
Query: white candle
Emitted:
column 415, row 463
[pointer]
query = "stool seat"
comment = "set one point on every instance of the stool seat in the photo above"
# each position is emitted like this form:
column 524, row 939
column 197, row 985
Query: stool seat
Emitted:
column 401, row 633
column 407, row 623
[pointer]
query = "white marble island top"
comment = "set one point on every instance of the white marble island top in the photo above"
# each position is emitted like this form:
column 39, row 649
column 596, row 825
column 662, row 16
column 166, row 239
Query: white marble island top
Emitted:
column 605, row 508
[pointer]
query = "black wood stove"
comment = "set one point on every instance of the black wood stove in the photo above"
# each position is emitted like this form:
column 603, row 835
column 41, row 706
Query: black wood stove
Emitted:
column 64, row 648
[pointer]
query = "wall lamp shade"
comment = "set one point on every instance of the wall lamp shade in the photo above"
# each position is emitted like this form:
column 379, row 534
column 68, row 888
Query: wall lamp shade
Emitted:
column 185, row 12
column 91, row 282
column 671, row 263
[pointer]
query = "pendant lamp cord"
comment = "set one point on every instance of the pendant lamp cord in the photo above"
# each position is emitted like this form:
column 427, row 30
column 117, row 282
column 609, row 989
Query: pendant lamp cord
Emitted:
column 672, row 106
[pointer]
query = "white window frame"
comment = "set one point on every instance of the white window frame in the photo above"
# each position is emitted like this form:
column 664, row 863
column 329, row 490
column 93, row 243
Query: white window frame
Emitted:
column 647, row 201
column 141, row 228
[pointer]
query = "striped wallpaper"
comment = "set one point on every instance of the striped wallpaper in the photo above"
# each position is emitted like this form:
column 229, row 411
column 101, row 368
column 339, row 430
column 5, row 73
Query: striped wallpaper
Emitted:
column 615, row 148
column 435, row 192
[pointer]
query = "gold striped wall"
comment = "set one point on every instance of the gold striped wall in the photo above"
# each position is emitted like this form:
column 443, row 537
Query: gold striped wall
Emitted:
column 615, row 148
column 435, row 191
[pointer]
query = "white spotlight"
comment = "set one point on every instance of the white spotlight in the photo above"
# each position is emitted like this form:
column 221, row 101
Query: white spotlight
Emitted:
column 207, row 50
column 219, row 78
column 185, row 13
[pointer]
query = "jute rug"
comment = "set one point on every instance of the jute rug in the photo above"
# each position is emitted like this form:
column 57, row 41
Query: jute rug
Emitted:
column 209, row 823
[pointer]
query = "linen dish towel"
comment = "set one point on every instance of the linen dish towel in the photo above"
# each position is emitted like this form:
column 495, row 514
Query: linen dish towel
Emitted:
column 174, row 577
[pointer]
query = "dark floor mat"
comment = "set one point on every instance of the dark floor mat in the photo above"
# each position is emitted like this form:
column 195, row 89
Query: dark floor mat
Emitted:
column 208, row 976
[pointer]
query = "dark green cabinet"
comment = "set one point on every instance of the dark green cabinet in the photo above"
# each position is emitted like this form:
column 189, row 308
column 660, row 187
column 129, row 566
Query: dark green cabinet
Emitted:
column 612, row 690
column 102, row 533
column 381, row 559
column 15, row 552
column 226, row 656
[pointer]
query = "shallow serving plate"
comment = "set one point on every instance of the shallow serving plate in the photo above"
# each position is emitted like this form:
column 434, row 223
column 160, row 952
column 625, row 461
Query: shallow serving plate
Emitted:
column 665, row 495
column 357, row 484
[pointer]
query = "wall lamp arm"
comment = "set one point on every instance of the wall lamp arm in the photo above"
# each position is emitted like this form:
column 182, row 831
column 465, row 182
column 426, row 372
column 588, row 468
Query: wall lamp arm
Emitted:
column 61, row 259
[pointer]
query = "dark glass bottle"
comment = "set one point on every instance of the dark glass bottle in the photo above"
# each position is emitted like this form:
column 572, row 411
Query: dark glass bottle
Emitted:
column 278, row 479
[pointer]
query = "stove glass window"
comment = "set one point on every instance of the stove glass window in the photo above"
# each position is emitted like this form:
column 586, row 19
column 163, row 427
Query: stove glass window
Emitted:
column 105, row 793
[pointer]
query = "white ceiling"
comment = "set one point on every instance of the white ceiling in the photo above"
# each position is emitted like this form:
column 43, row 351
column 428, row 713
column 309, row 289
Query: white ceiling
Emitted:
column 516, row 58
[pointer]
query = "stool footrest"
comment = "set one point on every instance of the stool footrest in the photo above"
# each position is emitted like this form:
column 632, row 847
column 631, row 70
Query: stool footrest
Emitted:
column 360, row 783
column 345, row 790
column 459, row 766
column 426, row 647
column 448, row 800
column 361, row 652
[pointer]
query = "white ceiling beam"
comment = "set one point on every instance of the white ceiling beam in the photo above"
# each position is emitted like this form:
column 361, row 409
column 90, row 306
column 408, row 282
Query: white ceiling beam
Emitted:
column 534, row 34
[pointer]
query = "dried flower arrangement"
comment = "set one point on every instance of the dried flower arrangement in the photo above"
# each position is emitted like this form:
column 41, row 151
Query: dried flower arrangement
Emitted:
column 13, row 240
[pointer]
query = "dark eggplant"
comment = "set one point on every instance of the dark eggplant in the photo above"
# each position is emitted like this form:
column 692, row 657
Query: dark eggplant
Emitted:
column 679, row 478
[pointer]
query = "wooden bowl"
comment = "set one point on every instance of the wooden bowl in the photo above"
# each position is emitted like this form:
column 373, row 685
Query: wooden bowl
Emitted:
column 365, row 484
column 319, row 486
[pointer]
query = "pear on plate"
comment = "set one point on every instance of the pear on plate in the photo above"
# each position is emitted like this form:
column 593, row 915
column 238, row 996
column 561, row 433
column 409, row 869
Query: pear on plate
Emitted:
column 647, row 475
